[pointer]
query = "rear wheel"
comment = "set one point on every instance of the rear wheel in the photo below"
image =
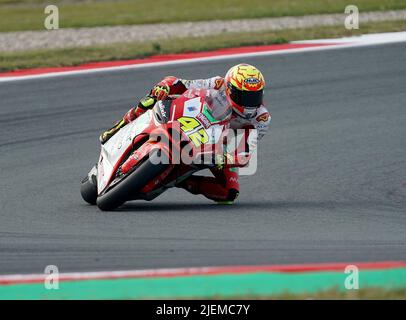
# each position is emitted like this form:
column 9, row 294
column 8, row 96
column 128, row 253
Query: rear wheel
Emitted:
column 131, row 184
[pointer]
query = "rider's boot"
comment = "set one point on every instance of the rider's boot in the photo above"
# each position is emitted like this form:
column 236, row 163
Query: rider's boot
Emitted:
column 106, row 135
column 210, row 188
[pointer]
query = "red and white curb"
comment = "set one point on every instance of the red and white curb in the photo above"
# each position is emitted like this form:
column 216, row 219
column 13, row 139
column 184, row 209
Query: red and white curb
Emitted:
column 159, row 60
column 222, row 54
column 184, row 272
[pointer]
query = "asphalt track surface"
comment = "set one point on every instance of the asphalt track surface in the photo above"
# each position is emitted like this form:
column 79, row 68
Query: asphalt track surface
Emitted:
column 330, row 187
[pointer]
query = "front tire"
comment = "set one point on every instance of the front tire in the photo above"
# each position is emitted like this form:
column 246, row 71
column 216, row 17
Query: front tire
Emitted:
column 131, row 184
column 88, row 190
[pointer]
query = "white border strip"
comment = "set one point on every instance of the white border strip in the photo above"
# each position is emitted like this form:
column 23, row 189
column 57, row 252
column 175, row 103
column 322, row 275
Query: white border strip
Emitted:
column 103, row 275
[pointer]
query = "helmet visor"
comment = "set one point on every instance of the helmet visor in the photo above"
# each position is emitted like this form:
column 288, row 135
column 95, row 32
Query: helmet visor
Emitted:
column 249, row 99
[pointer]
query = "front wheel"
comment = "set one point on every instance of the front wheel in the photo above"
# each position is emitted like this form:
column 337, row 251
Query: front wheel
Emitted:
column 131, row 184
column 88, row 190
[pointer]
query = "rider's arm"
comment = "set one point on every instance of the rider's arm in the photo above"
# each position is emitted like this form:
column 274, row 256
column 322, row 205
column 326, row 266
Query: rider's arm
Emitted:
column 262, row 121
column 169, row 85
column 210, row 83
column 249, row 142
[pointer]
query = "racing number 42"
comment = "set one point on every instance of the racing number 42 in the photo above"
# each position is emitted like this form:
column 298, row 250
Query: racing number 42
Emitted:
column 190, row 124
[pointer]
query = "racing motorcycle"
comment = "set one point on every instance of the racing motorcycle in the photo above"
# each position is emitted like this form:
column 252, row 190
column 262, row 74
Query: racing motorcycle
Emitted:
column 157, row 151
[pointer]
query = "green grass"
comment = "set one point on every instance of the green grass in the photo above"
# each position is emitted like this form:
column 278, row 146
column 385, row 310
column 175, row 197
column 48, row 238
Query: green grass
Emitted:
column 29, row 14
column 122, row 51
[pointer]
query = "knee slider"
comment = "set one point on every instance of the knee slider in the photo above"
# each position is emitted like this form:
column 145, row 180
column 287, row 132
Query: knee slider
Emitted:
column 232, row 194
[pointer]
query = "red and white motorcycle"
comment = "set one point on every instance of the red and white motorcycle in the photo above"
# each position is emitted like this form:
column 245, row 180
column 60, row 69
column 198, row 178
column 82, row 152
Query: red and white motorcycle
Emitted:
column 158, row 150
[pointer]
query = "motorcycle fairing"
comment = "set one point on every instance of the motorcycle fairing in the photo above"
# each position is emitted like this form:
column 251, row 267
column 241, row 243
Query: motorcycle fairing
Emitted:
column 114, row 150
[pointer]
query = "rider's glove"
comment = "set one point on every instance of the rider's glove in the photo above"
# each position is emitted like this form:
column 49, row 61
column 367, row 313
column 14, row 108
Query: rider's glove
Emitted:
column 221, row 160
column 160, row 91
column 147, row 102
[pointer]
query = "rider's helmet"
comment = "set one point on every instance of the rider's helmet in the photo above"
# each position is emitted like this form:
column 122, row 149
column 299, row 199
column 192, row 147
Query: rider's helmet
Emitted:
column 244, row 89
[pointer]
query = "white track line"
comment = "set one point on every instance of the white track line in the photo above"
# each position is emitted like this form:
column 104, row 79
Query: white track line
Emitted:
column 72, row 276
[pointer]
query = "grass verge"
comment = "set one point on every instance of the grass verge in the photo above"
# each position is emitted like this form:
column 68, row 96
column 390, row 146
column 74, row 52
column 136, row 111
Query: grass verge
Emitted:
column 18, row 15
column 122, row 51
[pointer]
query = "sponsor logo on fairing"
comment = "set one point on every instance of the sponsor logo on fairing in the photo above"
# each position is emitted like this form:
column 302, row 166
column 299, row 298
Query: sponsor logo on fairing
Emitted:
column 162, row 109
column 191, row 109
column 203, row 120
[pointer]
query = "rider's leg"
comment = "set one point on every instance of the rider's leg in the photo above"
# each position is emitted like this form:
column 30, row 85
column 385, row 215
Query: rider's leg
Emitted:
column 145, row 103
column 222, row 188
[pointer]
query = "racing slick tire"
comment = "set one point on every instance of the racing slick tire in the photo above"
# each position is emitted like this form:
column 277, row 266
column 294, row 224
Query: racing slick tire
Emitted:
column 88, row 190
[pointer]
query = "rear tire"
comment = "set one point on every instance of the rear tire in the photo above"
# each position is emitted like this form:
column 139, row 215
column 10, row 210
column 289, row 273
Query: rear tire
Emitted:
column 131, row 184
column 88, row 190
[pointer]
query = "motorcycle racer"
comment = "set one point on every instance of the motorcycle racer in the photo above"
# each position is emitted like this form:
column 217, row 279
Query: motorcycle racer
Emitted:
column 240, row 94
